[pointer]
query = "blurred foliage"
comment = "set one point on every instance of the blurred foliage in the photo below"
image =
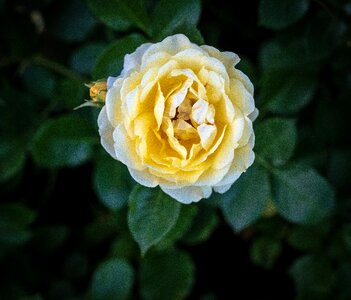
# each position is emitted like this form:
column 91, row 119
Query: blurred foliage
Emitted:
column 74, row 225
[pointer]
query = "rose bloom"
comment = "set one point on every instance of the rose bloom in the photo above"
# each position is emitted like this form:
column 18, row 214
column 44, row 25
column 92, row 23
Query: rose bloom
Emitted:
column 180, row 116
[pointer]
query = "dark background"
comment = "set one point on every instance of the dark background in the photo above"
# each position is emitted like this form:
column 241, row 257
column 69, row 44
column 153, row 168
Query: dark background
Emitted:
column 54, row 228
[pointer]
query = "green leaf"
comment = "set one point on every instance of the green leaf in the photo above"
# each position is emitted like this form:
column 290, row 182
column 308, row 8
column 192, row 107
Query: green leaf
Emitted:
column 166, row 275
column 112, row 183
column 245, row 202
column 203, row 225
column 12, row 158
column 64, row 142
column 69, row 94
column 172, row 17
column 297, row 56
column 39, row 81
column 280, row 14
column 152, row 214
column 125, row 247
column 110, row 14
column 135, row 12
column 301, row 195
column 276, row 140
column 84, row 59
column 17, row 213
column 185, row 219
column 14, row 221
column 308, row 238
column 121, row 14
column 265, row 251
column 73, row 23
column 286, row 92
column 112, row 280
column 313, row 277
column 110, row 62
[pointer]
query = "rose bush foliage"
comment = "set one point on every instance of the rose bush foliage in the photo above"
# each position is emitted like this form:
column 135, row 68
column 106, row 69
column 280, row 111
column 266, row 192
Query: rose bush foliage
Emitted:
column 74, row 224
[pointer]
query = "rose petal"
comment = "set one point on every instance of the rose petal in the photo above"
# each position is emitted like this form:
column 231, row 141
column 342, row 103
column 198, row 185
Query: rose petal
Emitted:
column 133, row 61
column 188, row 194
column 241, row 97
column 229, row 59
column 143, row 177
column 207, row 135
column 172, row 45
column 106, row 132
column 125, row 148
column 199, row 111
column 159, row 106
column 177, row 98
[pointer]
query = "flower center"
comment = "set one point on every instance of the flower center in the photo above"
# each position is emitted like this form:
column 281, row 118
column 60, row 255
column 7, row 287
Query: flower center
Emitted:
column 193, row 121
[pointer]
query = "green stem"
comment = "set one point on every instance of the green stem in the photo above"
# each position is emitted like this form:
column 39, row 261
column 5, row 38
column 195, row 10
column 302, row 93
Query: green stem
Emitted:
column 58, row 68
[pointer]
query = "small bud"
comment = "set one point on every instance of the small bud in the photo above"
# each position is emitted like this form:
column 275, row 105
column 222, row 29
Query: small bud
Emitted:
column 98, row 90
column 97, row 93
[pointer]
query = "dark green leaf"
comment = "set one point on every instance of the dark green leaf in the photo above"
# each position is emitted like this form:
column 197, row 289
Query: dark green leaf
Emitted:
column 280, row 14
column 186, row 216
column 172, row 17
column 308, row 238
column 276, row 140
column 125, row 247
column 152, row 214
column 286, row 92
column 121, row 14
column 203, row 225
column 110, row 62
column 105, row 227
column 313, row 277
column 109, row 12
column 112, row 280
column 69, row 94
column 301, row 195
column 39, row 81
column 64, row 142
column 245, row 202
column 13, row 104
column 14, row 221
column 73, row 23
column 112, row 183
column 296, row 55
column 83, row 60
column 12, row 158
column 167, row 275
column 135, row 12
column 265, row 251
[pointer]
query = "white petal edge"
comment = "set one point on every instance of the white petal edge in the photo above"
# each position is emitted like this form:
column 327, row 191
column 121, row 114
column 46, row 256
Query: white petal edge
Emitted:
column 172, row 45
column 110, row 81
column 106, row 133
column 188, row 194
column 144, row 177
column 133, row 61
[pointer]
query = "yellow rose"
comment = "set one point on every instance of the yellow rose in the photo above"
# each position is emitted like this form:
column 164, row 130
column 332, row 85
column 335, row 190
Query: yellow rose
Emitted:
column 180, row 116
